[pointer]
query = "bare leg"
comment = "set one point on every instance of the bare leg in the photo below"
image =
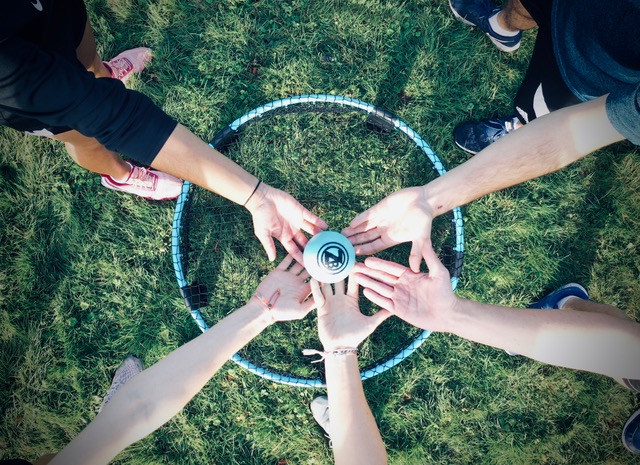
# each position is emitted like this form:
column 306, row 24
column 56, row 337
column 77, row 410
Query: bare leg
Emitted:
column 88, row 54
column 86, row 151
column 92, row 155
column 515, row 17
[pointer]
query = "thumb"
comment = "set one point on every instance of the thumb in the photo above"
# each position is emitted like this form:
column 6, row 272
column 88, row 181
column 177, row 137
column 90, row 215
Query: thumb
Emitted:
column 318, row 297
column 363, row 217
column 267, row 243
column 308, row 305
column 415, row 257
column 375, row 320
column 379, row 317
column 436, row 268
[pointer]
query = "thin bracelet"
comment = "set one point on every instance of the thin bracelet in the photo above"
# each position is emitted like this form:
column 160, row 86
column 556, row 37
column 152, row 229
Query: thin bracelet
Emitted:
column 325, row 354
column 268, row 304
column 254, row 191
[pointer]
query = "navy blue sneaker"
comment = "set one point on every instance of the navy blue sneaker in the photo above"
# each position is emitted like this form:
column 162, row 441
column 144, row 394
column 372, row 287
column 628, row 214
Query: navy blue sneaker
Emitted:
column 631, row 433
column 633, row 384
column 551, row 300
column 473, row 136
column 477, row 13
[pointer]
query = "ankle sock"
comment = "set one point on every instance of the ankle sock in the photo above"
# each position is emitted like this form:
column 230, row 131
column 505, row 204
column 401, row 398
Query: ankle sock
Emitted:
column 108, row 66
column 493, row 22
column 563, row 301
column 126, row 176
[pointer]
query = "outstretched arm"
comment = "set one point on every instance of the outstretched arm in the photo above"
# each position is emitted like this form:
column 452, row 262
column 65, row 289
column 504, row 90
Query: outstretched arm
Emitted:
column 276, row 214
column 354, row 433
column 583, row 340
column 75, row 99
column 543, row 146
column 155, row 395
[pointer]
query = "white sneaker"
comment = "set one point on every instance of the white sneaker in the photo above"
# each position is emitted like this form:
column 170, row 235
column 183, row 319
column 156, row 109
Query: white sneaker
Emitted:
column 129, row 62
column 150, row 184
column 320, row 410
column 127, row 370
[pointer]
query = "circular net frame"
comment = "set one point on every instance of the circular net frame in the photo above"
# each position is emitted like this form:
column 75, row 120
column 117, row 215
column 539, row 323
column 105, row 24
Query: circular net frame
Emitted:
column 337, row 157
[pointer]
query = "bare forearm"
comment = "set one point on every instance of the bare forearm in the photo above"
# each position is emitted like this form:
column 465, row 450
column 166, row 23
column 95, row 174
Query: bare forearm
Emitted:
column 186, row 156
column 354, row 433
column 588, row 341
column 154, row 396
column 543, row 146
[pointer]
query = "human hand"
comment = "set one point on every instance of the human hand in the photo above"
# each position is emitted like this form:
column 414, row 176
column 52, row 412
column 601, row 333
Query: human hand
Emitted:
column 340, row 323
column 403, row 216
column 277, row 214
column 285, row 290
column 425, row 300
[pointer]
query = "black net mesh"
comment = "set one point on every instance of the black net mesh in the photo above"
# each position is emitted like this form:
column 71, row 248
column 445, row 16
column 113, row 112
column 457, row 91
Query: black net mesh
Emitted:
column 335, row 163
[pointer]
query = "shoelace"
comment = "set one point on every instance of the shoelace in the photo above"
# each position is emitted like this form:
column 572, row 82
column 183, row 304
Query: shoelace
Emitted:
column 141, row 177
column 120, row 67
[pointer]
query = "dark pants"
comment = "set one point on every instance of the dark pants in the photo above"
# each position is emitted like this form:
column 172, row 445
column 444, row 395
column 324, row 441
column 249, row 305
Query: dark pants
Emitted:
column 543, row 90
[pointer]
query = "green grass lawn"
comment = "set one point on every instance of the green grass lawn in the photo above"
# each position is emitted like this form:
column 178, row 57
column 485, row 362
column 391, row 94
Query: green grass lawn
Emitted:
column 86, row 275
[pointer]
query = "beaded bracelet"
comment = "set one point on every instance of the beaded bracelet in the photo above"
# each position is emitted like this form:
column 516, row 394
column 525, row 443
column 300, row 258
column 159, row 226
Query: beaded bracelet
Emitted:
column 324, row 354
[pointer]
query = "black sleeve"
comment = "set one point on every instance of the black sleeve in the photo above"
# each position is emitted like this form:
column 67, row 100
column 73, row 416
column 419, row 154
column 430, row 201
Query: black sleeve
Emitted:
column 59, row 93
column 14, row 462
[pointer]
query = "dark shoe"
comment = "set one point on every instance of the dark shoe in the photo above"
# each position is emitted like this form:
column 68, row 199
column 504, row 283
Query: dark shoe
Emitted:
column 473, row 136
column 631, row 433
column 551, row 300
column 633, row 384
column 477, row 13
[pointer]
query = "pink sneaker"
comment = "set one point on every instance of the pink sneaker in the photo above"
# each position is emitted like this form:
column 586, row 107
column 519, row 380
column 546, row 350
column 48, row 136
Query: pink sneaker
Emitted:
column 125, row 64
column 150, row 184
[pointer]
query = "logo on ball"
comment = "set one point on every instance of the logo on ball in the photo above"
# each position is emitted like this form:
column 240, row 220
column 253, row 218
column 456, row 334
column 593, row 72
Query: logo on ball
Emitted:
column 333, row 257
column 329, row 257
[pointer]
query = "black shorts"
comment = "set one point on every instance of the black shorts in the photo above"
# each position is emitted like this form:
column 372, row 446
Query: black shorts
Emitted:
column 543, row 89
column 45, row 90
column 61, row 32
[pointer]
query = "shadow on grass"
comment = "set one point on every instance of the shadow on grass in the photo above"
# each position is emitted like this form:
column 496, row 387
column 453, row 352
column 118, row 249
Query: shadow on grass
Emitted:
column 402, row 58
column 592, row 216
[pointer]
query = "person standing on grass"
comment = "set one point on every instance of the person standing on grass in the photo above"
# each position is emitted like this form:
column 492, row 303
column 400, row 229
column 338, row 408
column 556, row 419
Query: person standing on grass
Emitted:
column 581, row 93
column 601, row 68
column 584, row 51
column 53, row 83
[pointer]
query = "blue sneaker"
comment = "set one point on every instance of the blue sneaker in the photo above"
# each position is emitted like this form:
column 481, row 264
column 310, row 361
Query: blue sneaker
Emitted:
column 477, row 13
column 473, row 136
column 633, row 384
column 631, row 433
column 551, row 300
